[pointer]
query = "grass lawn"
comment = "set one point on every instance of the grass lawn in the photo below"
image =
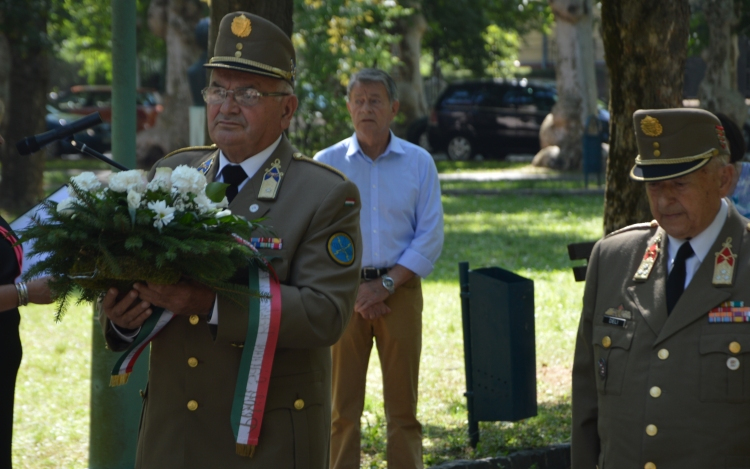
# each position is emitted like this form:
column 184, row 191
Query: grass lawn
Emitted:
column 527, row 235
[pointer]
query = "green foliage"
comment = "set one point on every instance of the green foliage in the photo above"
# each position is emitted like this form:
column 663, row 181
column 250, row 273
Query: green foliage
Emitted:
column 333, row 40
column 81, row 32
column 20, row 22
column 480, row 36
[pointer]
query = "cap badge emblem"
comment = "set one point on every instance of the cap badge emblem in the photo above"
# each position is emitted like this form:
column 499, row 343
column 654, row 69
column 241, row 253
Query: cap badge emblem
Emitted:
column 651, row 126
column 241, row 26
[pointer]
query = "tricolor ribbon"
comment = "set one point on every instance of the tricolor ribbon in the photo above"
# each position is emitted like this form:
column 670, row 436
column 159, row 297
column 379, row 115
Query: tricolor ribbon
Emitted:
column 257, row 359
column 256, row 362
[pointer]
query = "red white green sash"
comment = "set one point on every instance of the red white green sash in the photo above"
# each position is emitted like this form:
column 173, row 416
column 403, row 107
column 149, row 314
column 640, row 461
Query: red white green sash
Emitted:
column 150, row 328
column 257, row 358
column 255, row 365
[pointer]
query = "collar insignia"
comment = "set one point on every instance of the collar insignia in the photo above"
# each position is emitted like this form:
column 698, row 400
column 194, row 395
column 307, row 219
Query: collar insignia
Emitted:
column 724, row 266
column 271, row 181
column 649, row 259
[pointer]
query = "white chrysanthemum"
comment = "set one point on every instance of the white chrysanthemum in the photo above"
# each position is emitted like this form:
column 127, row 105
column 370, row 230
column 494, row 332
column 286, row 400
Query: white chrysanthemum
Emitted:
column 126, row 181
column 65, row 206
column 162, row 180
column 223, row 213
column 186, row 179
column 179, row 204
column 203, row 204
column 163, row 213
column 87, row 181
column 134, row 199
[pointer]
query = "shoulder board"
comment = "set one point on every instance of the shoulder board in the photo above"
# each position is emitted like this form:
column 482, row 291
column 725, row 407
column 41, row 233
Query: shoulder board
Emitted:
column 207, row 147
column 300, row 157
column 637, row 226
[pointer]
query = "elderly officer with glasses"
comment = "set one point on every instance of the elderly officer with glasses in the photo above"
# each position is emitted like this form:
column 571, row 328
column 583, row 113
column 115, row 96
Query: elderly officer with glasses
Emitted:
column 314, row 248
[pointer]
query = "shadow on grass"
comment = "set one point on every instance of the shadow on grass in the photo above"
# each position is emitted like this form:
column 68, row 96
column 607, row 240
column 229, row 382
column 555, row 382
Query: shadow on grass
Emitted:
column 443, row 443
column 497, row 439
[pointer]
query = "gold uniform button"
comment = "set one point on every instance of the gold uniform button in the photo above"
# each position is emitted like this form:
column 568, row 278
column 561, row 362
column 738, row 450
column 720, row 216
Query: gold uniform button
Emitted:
column 606, row 341
column 651, row 430
column 299, row 404
column 655, row 391
column 194, row 319
column 649, row 465
column 192, row 405
column 663, row 354
column 656, row 144
column 192, row 362
column 657, row 153
column 735, row 347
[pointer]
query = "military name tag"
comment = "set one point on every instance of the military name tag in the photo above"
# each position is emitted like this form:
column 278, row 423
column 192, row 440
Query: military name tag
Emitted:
column 271, row 181
column 647, row 264
column 612, row 321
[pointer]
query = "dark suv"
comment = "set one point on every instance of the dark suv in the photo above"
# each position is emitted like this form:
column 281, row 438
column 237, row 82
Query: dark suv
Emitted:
column 493, row 118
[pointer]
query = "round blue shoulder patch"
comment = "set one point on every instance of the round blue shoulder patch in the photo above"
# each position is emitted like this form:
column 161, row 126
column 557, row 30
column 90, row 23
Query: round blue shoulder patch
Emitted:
column 341, row 248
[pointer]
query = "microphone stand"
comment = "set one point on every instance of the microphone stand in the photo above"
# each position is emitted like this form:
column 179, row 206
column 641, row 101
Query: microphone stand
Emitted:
column 85, row 149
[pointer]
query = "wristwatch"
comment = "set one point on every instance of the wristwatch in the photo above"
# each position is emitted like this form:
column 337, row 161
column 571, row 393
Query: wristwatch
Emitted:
column 389, row 284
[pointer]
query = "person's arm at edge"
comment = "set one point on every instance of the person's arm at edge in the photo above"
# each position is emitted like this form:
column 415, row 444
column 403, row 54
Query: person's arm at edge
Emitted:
column 585, row 445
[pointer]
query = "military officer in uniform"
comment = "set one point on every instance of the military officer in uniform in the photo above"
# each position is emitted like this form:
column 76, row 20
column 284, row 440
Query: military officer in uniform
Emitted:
column 661, row 376
column 314, row 214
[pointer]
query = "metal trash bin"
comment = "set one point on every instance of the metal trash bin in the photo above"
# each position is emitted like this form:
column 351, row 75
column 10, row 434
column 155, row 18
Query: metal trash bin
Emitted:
column 592, row 150
column 499, row 346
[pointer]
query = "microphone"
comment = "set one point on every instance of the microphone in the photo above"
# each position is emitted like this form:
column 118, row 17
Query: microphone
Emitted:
column 33, row 144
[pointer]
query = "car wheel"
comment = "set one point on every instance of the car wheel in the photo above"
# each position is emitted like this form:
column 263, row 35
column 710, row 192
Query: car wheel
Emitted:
column 460, row 148
column 417, row 133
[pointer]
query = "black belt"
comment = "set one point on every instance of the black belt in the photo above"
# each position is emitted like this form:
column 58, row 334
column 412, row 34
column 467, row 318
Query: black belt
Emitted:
column 370, row 273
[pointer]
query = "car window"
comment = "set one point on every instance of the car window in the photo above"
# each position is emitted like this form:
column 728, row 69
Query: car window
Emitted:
column 492, row 96
column 519, row 96
column 458, row 95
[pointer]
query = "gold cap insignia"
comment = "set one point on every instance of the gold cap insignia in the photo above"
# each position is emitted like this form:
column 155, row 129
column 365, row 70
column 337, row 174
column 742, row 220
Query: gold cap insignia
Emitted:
column 649, row 125
column 241, row 26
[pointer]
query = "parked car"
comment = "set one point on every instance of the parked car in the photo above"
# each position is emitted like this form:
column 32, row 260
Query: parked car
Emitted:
column 82, row 100
column 492, row 117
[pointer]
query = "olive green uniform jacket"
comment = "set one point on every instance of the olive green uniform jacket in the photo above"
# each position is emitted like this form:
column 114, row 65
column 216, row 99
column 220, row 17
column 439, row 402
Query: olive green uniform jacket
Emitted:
column 318, row 297
column 658, row 392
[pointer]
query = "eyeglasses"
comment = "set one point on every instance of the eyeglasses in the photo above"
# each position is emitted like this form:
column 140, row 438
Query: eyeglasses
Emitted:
column 243, row 96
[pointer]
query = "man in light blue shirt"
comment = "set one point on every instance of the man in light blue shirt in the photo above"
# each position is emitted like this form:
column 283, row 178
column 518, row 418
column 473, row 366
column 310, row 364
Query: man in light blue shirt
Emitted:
column 402, row 236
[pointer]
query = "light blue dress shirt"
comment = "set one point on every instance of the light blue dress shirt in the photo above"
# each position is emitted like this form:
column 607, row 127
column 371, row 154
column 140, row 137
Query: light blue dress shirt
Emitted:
column 402, row 215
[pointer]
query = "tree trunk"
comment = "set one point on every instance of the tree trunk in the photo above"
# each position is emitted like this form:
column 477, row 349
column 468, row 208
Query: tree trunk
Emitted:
column 21, row 186
column 174, row 21
column 278, row 11
column 576, row 79
column 406, row 73
column 718, row 90
column 645, row 43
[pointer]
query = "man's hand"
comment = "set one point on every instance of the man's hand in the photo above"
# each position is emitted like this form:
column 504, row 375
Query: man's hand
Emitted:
column 127, row 313
column 185, row 297
column 369, row 294
column 375, row 311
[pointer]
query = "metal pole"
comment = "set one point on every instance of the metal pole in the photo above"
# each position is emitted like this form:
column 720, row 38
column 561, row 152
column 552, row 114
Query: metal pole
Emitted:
column 115, row 412
column 463, row 279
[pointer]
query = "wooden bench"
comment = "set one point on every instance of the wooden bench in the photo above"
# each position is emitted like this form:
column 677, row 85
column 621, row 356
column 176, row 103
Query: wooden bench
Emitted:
column 578, row 251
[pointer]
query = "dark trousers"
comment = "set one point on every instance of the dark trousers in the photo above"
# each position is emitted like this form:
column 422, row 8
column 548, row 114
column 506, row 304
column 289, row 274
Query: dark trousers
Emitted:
column 10, row 361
